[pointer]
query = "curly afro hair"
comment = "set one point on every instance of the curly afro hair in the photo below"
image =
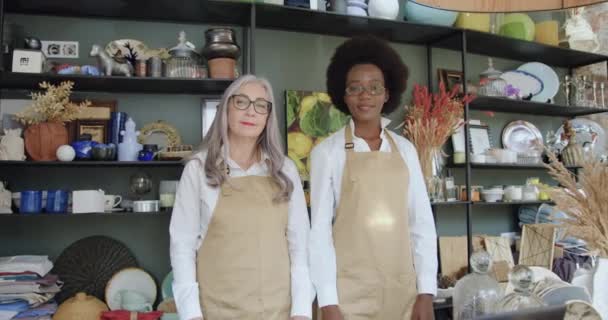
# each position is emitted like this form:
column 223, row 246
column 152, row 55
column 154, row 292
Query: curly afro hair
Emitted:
column 367, row 50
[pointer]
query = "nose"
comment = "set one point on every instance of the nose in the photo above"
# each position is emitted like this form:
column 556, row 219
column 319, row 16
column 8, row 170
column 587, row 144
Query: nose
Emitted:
column 250, row 110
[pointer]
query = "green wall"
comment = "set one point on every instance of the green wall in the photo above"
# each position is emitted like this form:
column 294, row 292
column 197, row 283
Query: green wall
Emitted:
column 290, row 61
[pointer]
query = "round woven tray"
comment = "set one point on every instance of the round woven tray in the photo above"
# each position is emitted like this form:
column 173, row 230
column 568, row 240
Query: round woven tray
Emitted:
column 88, row 264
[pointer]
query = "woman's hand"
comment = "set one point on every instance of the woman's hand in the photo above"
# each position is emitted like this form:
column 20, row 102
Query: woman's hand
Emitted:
column 423, row 308
column 331, row 313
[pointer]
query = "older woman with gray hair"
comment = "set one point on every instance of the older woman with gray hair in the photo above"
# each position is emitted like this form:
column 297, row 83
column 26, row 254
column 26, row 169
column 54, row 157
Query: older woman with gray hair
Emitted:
column 239, row 228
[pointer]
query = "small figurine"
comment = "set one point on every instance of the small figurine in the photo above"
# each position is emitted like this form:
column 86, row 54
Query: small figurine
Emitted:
column 129, row 148
column 32, row 43
column 12, row 146
column 110, row 66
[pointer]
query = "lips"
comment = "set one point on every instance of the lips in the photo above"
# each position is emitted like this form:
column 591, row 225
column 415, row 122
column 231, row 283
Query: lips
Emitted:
column 365, row 108
column 246, row 123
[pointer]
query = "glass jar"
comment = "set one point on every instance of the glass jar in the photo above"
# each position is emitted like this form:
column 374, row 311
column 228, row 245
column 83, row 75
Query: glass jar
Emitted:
column 522, row 280
column 184, row 61
column 476, row 294
column 491, row 84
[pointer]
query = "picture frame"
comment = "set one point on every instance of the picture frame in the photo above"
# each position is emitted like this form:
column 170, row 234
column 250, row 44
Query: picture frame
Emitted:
column 93, row 119
column 450, row 78
column 208, row 111
column 97, row 128
column 479, row 139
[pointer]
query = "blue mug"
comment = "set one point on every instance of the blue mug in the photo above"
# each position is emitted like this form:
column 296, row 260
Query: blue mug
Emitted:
column 31, row 201
column 57, row 201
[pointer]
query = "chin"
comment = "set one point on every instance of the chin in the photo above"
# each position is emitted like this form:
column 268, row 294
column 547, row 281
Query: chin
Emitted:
column 366, row 116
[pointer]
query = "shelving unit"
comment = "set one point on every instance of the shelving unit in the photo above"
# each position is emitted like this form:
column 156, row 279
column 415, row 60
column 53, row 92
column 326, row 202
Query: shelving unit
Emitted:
column 75, row 164
column 29, row 81
column 530, row 107
column 85, row 215
column 251, row 16
column 498, row 166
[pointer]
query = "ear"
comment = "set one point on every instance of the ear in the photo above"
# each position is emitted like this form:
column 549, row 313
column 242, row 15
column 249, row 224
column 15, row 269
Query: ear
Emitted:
column 386, row 97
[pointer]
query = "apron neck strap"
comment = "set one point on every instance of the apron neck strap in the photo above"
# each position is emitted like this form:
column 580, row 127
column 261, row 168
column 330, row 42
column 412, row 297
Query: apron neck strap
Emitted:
column 349, row 146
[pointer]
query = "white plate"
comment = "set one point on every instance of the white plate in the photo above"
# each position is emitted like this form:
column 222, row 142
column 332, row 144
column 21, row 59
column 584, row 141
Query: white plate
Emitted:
column 133, row 279
column 118, row 48
column 526, row 83
column 520, row 136
column 547, row 76
column 584, row 129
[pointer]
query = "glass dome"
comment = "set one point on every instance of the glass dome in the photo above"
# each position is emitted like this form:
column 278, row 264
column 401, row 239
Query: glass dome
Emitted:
column 476, row 294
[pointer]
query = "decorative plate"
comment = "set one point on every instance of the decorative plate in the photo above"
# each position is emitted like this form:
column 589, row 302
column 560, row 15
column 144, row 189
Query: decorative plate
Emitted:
column 132, row 279
column 167, row 286
column 528, row 84
column 521, row 136
column 160, row 133
column 586, row 130
column 129, row 49
column 88, row 264
column 547, row 76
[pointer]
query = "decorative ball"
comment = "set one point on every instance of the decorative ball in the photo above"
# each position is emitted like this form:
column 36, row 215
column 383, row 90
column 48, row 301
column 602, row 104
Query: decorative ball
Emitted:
column 66, row 153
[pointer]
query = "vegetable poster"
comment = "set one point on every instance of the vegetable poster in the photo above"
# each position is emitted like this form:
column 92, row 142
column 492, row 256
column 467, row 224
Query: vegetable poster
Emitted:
column 311, row 117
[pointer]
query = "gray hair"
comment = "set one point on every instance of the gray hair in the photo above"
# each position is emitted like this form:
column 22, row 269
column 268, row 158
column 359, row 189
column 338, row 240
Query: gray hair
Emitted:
column 215, row 143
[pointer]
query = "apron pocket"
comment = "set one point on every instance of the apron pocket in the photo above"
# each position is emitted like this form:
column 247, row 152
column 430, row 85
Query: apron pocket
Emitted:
column 360, row 297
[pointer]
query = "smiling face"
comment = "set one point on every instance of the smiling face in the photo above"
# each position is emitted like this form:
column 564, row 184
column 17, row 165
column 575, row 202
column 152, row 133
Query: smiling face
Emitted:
column 365, row 92
column 246, row 118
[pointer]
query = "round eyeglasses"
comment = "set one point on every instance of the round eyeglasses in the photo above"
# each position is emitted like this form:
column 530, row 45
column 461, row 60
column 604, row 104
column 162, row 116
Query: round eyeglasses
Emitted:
column 375, row 89
column 242, row 102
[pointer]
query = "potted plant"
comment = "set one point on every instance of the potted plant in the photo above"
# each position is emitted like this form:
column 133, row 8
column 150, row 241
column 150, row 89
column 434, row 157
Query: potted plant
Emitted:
column 45, row 120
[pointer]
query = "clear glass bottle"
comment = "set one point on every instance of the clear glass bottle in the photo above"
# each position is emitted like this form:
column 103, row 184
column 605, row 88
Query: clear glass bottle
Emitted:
column 476, row 294
column 522, row 297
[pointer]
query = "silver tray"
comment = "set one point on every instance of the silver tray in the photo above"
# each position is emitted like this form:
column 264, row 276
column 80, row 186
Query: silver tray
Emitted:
column 522, row 136
column 587, row 132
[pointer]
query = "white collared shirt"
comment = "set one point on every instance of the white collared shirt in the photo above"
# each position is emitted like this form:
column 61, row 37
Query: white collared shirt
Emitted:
column 195, row 202
column 327, row 165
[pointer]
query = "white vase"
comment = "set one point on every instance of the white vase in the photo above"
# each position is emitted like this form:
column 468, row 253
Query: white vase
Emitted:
column 600, row 287
column 386, row 9
column 356, row 8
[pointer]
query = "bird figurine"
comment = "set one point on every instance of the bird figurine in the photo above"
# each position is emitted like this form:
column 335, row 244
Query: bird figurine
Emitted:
column 32, row 43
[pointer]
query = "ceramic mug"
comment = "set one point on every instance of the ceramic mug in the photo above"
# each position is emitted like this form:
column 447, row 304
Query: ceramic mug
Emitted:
column 88, row 201
column 57, row 201
column 111, row 201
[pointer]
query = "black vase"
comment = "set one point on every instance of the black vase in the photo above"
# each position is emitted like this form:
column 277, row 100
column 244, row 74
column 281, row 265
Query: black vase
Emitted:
column 220, row 43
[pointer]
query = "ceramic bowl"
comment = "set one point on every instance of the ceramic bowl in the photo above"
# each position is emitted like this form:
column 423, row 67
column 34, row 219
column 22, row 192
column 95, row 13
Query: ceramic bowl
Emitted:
column 418, row 13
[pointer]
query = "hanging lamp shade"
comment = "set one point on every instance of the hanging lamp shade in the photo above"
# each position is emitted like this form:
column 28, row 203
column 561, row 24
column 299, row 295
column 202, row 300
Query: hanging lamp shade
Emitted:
column 505, row 5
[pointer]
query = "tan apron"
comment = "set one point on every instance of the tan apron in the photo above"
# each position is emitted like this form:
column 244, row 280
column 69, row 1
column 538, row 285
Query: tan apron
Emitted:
column 376, row 276
column 243, row 266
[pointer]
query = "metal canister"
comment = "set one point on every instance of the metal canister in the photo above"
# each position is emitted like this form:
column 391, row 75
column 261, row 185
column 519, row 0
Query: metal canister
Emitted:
column 155, row 67
column 140, row 68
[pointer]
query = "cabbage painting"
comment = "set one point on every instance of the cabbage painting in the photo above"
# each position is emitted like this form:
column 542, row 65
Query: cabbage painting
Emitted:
column 311, row 117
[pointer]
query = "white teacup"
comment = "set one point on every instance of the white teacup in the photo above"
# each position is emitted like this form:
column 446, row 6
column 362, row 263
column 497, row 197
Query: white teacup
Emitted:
column 111, row 201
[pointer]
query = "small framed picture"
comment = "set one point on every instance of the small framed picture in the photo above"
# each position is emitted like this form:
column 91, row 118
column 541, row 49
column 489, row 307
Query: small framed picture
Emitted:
column 98, row 129
column 450, row 78
column 479, row 139
column 208, row 111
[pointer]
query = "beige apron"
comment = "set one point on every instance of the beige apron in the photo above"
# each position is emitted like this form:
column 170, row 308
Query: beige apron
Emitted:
column 376, row 276
column 243, row 266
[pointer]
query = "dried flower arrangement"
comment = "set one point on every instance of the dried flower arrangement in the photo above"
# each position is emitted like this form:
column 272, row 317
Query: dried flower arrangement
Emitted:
column 54, row 105
column 585, row 201
column 432, row 119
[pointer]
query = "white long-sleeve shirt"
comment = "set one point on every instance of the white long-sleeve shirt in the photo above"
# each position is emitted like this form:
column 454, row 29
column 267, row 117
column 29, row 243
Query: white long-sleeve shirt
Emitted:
column 327, row 165
column 195, row 202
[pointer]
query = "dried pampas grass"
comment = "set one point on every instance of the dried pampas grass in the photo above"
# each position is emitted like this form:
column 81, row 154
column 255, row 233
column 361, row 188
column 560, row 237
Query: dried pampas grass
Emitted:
column 585, row 202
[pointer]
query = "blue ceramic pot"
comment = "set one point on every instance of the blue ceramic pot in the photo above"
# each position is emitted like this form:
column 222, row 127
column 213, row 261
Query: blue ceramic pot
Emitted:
column 83, row 147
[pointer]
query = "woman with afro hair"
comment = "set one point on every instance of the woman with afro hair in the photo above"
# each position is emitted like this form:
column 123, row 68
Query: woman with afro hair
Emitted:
column 373, row 250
